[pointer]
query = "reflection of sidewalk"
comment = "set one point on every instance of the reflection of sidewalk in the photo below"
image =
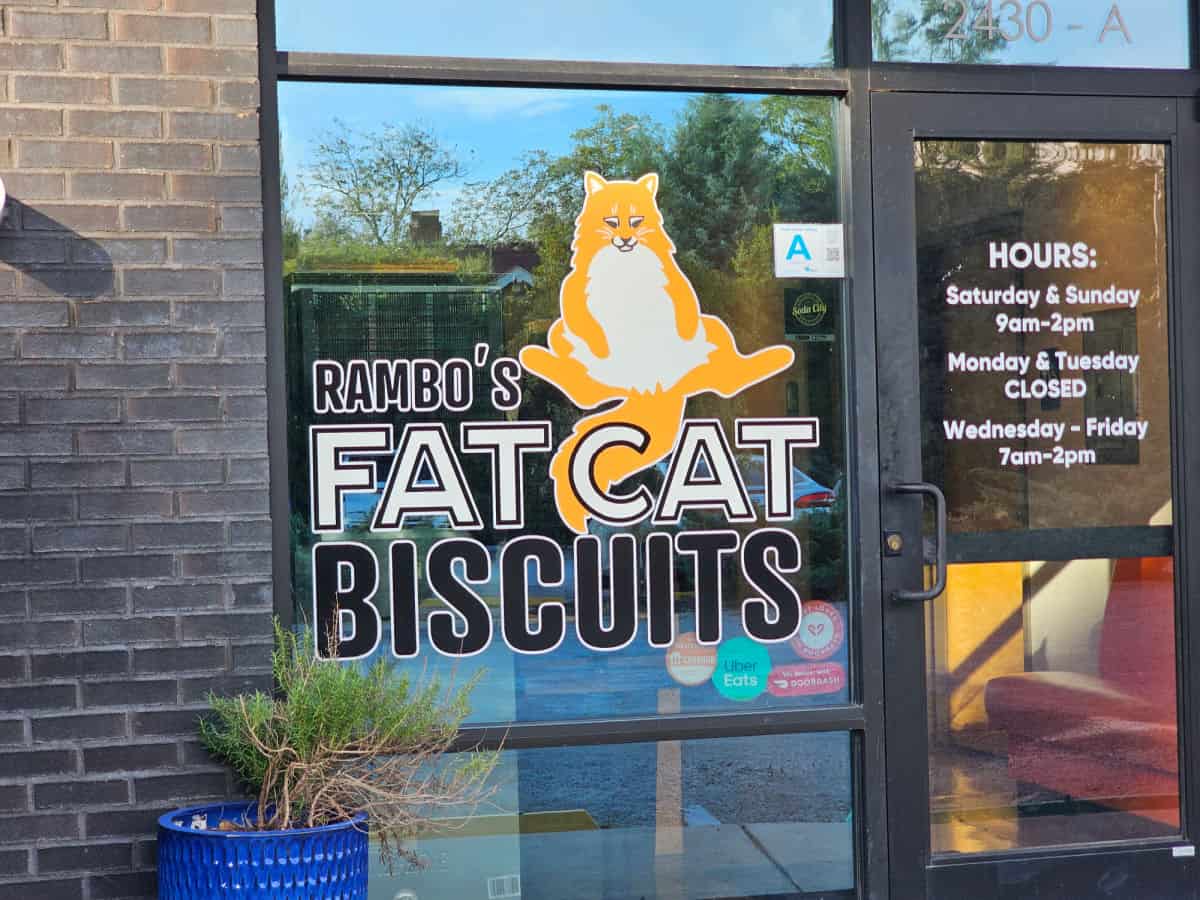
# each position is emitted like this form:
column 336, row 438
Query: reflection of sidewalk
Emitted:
column 718, row 860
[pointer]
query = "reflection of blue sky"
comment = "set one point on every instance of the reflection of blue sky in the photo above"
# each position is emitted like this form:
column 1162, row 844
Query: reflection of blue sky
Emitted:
column 1159, row 29
column 706, row 32
column 490, row 128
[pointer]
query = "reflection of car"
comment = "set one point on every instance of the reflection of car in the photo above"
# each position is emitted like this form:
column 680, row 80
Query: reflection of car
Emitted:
column 359, row 508
column 807, row 493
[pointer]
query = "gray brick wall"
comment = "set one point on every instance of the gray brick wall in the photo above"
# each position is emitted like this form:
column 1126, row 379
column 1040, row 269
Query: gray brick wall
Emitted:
column 134, row 540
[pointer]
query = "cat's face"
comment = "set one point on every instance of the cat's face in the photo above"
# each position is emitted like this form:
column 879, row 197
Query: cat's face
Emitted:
column 621, row 214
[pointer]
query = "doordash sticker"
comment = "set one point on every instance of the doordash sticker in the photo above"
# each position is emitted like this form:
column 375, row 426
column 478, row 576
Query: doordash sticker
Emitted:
column 806, row 679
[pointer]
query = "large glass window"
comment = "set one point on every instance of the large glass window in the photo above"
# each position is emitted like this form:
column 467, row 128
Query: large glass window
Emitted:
column 754, row 33
column 1136, row 34
column 556, row 420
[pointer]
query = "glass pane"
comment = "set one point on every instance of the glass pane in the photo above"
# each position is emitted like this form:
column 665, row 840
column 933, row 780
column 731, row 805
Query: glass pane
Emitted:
column 425, row 233
column 754, row 33
column 731, row 818
column 1135, row 34
column 1052, row 711
column 1042, row 286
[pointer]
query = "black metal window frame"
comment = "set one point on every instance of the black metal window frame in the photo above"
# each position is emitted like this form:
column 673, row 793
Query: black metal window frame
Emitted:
column 852, row 79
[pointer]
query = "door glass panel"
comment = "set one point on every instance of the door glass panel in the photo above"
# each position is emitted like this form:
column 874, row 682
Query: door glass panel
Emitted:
column 1052, row 712
column 1045, row 397
column 1042, row 286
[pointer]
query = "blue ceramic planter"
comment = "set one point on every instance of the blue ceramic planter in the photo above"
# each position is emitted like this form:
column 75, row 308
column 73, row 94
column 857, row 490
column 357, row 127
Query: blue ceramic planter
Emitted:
column 325, row 863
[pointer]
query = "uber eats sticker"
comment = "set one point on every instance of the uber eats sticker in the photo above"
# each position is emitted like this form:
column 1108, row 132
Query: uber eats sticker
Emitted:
column 629, row 349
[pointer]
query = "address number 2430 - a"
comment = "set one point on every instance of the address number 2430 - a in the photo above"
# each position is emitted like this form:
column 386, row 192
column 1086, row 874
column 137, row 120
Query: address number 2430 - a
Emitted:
column 1013, row 20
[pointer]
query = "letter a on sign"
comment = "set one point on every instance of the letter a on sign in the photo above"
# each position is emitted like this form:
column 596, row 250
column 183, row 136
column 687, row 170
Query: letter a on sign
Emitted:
column 1115, row 22
column 798, row 248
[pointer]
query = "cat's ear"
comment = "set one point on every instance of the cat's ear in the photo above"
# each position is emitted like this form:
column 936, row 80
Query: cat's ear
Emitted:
column 592, row 182
column 649, row 182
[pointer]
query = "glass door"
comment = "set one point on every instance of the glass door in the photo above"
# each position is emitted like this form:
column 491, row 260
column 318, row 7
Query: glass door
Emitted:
column 1029, row 444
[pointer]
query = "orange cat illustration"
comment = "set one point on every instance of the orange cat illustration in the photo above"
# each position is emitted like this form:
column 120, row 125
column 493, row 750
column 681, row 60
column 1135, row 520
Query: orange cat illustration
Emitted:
column 632, row 331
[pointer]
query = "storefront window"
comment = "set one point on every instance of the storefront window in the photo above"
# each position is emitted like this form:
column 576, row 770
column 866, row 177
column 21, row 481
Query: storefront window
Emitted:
column 668, row 820
column 755, row 33
column 556, row 420
column 1143, row 34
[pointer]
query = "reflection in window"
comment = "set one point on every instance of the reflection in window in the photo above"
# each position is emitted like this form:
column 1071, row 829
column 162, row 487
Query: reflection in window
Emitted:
column 730, row 818
column 437, row 223
column 1090, row 324
column 1146, row 34
column 1052, row 705
column 702, row 32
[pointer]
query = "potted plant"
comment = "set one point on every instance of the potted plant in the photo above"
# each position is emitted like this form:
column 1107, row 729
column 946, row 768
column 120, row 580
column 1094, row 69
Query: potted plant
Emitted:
column 339, row 749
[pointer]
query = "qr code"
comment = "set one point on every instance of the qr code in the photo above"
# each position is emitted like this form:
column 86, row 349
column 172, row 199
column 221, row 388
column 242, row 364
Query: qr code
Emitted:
column 833, row 254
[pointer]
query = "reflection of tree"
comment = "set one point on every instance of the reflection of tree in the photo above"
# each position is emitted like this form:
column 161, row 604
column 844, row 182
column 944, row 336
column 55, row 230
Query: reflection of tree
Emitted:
column 292, row 233
column 952, row 170
column 617, row 145
column 799, row 131
column 370, row 181
column 717, row 178
column 900, row 32
column 503, row 209
column 730, row 167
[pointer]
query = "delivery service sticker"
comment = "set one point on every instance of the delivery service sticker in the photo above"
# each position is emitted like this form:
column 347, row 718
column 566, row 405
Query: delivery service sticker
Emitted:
column 629, row 349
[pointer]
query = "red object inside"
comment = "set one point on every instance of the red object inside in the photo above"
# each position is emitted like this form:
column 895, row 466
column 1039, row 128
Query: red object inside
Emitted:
column 1112, row 738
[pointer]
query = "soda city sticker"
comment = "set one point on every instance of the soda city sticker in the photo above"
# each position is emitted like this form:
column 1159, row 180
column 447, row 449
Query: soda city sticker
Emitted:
column 689, row 662
column 742, row 669
column 822, row 631
column 806, row 679
column 809, row 309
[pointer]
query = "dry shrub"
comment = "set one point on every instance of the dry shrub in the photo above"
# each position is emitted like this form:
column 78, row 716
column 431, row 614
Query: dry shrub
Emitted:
column 338, row 739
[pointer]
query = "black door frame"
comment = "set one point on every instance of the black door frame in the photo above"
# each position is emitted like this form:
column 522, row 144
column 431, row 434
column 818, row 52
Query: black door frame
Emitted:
column 1125, row 869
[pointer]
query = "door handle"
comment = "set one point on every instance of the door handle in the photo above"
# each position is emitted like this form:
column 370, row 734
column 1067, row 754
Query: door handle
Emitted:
column 939, row 501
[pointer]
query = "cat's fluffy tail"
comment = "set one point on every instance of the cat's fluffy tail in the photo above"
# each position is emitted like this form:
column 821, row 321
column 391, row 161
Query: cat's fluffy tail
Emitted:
column 659, row 415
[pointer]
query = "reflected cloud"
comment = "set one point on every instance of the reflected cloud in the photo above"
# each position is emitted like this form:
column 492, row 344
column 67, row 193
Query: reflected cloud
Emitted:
column 488, row 104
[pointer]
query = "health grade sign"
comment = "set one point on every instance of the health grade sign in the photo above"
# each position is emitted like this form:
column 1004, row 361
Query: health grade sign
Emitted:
column 629, row 349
